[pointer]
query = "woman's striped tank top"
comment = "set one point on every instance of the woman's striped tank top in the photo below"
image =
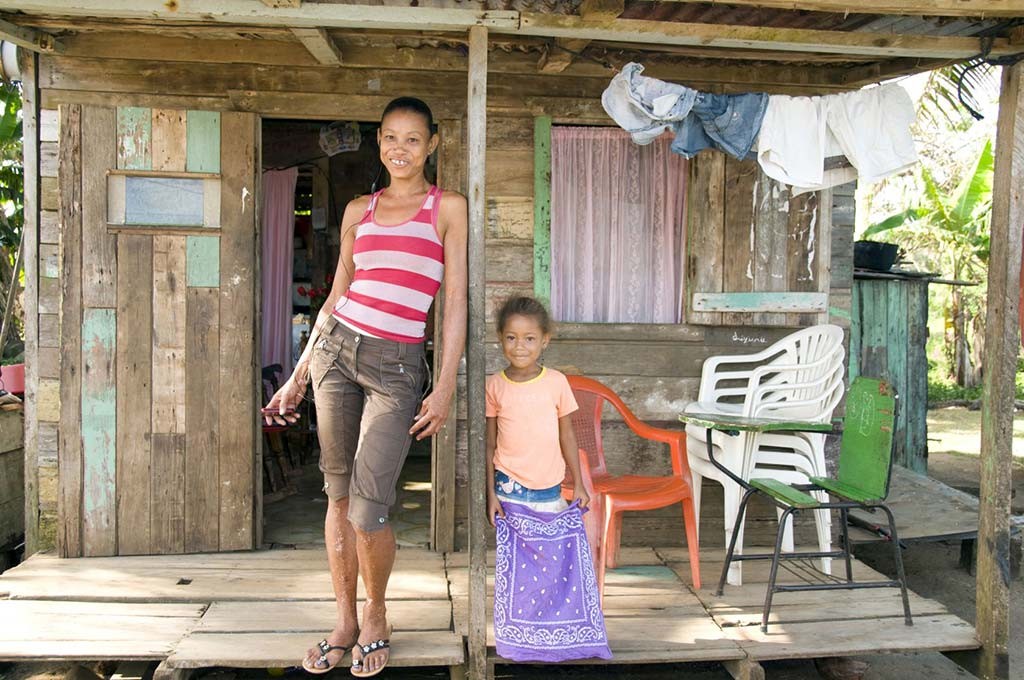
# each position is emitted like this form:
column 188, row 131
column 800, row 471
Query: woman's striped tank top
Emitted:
column 398, row 272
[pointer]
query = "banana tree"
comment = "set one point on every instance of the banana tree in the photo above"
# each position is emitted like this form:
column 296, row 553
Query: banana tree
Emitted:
column 954, row 224
column 12, row 185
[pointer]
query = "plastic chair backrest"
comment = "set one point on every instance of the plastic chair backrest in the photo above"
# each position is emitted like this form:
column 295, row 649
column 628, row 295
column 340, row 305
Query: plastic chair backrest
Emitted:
column 865, row 450
column 586, row 421
column 808, row 381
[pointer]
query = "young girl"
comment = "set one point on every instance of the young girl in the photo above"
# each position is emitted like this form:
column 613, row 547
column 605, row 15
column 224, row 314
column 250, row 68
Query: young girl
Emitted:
column 530, row 439
column 546, row 602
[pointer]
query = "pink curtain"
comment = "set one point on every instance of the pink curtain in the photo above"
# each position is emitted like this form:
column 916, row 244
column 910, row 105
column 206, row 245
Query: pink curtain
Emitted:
column 278, row 234
column 617, row 225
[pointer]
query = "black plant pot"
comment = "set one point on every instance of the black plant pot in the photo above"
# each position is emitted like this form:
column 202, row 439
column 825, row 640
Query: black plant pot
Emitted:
column 875, row 255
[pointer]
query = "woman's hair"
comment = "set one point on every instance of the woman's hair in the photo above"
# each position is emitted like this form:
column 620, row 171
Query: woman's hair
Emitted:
column 413, row 105
column 520, row 305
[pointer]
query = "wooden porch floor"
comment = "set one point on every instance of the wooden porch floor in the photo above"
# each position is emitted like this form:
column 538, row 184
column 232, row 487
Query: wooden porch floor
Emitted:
column 263, row 609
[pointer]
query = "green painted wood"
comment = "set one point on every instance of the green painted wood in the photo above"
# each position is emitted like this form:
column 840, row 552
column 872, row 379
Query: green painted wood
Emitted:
column 99, row 431
column 733, row 424
column 784, row 493
column 202, row 261
column 134, row 138
column 887, row 339
column 202, row 147
column 847, row 491
column 792, row 302
column 542, row 208
column 865, row 449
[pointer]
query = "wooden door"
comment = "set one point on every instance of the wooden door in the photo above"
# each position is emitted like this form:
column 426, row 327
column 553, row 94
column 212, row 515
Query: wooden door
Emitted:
column 158, row 445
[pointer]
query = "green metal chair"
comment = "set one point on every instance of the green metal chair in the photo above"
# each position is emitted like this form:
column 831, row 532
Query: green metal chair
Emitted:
column 865, row 465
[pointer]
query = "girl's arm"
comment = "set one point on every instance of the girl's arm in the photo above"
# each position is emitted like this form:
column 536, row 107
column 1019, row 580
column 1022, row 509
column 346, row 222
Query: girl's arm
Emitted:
column 288, row 397
column 453, row 218
column 571, row 454
column 493, row 506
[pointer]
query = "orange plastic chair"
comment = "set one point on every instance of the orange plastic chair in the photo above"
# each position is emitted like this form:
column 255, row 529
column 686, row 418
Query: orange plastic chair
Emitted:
column 611, row 495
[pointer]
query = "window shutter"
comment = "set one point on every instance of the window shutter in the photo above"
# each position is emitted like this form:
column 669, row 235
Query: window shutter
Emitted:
column 756, row 255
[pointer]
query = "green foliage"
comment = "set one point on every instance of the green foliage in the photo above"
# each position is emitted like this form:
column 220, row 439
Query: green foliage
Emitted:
column 12, row 177
column 940, row 104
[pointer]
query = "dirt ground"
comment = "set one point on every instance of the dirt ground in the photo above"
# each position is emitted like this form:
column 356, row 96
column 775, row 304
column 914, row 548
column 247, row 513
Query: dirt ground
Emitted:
column 932, row 571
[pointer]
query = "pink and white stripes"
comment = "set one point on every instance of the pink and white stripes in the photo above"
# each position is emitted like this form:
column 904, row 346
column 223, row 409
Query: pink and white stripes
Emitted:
column 398, row 271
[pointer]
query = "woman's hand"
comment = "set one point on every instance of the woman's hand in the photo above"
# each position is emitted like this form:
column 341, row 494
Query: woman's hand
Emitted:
column 433, row 414
column 494, row 508
column 286, row 403
column 580, row 494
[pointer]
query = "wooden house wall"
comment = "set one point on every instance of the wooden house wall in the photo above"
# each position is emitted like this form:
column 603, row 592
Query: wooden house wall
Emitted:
column 655, row 368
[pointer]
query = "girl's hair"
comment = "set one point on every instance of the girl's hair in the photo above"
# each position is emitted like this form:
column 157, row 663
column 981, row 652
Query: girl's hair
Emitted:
column 413, row 105
column 520, row 305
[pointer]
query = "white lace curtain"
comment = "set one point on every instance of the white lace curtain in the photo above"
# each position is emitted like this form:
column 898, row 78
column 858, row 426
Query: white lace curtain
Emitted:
column 617, row 227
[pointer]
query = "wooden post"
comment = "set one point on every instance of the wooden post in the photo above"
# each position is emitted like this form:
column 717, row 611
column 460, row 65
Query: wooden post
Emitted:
column 475, row 359
column 30, row 236
column 1001, row 346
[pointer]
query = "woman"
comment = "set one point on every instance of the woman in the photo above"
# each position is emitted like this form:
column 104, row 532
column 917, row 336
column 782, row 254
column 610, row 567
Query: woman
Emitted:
column 365, row 360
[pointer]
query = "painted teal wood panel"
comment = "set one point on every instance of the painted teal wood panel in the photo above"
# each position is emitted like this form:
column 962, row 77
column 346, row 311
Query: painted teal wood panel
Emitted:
column 542, row 209
column 99, row 432
column 888, row 333
column 202, row 261
column 134, row 138
column 202, row 148
column 760, row 302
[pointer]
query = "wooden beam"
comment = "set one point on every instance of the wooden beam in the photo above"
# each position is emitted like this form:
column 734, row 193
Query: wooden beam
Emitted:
column 249, row 13
column 893, row 68
column 944, row 8
column 320, row 45
column 28, row 38
column 476, row 360
column 757, row 37
column 330, row 15
column 1002, row 337
column 565, row 50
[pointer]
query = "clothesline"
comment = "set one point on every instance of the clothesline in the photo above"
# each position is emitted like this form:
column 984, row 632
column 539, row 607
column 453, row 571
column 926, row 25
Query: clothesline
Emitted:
column 797, row 141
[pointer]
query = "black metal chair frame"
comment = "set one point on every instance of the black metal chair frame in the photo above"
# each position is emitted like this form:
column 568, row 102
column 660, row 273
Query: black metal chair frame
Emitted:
column 844, row 506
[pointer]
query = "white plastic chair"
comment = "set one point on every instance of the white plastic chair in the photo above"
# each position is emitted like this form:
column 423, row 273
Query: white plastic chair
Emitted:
column 798, row 378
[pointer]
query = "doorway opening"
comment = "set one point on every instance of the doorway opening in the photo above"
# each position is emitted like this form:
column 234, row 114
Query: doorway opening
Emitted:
column 310, row 171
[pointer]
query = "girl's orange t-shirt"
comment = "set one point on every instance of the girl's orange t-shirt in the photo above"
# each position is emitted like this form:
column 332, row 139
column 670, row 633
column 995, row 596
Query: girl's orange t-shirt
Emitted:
column 528, row 449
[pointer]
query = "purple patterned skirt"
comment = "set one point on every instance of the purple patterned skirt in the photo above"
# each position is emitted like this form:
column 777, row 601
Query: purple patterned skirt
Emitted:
column 546, row 604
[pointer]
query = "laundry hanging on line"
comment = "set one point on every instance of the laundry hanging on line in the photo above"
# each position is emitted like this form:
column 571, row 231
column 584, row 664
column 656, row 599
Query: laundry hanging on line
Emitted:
column 791, row 136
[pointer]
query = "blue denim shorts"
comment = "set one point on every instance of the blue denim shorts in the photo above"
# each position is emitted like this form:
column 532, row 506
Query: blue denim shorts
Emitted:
column 509, row 489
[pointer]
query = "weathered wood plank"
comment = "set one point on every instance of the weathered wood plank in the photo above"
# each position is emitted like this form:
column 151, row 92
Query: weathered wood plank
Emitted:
column 705, row 232
column 1002, row 344
column 48, row 159
column 986, row 8
column 279, row 649
column 49, row 196
column 203, row 140
column 510, row 218
column 135, row 393
column 49, row 261
column 542, row 209
column 49, row 226
column 238, row 378
column 479, row 180
column 770, row 236
column 99, row 432
column 134, row 138
column 510, row 262
column 70, row 386
column 168, row 335
column 803, row 243
column 738, row 276
column 203, row 261
column 48, row 120
column 202, row 419
column 169, row 140
column 760, row 302
column 268, row 617
column 99, row 249
column 48, row 362
column 49, row 330
column 167, row 507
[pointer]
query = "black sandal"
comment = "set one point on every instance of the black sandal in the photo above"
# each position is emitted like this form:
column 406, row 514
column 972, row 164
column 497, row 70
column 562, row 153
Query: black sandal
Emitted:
column 325, row 649
column 357, row 664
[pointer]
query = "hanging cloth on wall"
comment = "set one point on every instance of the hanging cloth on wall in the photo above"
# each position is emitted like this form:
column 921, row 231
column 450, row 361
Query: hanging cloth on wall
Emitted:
column 546, row 602
column 278, row 215
column 794, row 135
